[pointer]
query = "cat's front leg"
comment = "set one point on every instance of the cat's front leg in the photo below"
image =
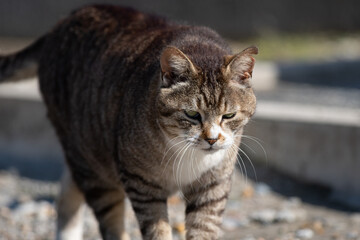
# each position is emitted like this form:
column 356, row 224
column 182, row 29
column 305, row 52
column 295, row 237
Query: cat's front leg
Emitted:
column 150, row 207
column 204, row 209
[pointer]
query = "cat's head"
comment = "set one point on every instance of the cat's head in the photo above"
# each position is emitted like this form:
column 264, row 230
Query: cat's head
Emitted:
column 205, row 106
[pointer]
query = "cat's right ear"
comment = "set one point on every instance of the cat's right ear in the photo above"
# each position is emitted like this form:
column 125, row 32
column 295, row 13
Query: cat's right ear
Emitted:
column 239, row 67
column 174, row 64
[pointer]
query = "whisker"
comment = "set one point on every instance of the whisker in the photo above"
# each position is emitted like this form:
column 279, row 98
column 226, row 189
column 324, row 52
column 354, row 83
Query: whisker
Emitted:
column 252, row 165
column 171, row 147
column 256, row 140
column 175, row 162
column 242, row 163
column 173, row 139
column 179, row 167
column 234, row 151
column 192, row 166
column 173, row 153
column 169, row 159
column 252, row 150
column 252, row 137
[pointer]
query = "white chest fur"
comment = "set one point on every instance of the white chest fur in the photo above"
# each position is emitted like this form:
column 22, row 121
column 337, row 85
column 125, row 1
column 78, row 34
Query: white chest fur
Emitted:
column 189, row 163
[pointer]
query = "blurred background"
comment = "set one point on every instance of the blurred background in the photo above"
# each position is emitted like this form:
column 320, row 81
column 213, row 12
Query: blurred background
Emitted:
column 301, row 152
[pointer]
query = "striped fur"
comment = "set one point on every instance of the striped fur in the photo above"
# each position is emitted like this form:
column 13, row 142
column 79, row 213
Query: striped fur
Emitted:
column 119, row 86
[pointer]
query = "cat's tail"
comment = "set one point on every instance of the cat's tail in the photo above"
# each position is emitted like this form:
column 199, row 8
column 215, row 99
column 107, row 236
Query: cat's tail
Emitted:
column 22, row 64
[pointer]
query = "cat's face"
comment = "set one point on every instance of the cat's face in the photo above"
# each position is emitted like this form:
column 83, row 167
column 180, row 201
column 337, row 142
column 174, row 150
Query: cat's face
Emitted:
column 205, row 108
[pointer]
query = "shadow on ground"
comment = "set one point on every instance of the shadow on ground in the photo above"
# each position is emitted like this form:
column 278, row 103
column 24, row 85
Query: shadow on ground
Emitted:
column 44, row 169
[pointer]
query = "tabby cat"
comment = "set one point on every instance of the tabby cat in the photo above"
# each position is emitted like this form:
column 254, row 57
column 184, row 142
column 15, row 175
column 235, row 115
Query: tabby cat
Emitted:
column 143, row 107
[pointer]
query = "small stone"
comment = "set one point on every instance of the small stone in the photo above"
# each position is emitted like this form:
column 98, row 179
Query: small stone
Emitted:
column 23, row 198
column 232, row 224
column 247, row 192
column 305, row 233
column 286, row 215
column 352, row 235
column 355, row 218
column 180, row 227
column 265, row 216
column 233, row 205
column 335, row 236
column 288, row 236
column 262, row 189
column 249, row 238
column 290, row 215
column 5, row 199
column 318, row 227
column 26, row 209
column 294, row 202
column 5, row 212
column 45, row 210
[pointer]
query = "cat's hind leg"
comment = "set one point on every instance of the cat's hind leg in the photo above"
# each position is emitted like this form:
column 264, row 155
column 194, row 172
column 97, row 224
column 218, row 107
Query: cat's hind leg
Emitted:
column 108, row 205
column 70, row 207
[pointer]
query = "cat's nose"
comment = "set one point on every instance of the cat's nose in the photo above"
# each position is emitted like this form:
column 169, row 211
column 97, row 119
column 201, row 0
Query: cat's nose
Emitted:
column 211, row 141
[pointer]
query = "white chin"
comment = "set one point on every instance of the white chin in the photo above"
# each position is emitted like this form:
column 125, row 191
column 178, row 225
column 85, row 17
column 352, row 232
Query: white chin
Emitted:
column 212, row 149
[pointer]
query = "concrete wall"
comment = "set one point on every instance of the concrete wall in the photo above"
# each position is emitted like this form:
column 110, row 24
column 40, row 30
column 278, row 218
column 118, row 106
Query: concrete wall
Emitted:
column 232, row 18
column 27, row 141
column 316, row 144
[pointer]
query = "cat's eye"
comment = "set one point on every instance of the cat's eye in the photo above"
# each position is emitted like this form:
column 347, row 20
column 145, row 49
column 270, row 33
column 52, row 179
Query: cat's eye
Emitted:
column 193, row 114
column 229, row 115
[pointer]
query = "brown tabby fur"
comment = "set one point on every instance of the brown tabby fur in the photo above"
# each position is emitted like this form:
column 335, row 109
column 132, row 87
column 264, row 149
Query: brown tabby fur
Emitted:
column 116, row 83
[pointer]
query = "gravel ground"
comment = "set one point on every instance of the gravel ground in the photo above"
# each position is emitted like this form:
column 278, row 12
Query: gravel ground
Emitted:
column 273, row 207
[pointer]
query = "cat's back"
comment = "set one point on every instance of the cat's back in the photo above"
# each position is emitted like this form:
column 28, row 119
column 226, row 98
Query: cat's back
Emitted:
column 110, row 19
column 90, row 47
column 95, row 28
column 99, row 30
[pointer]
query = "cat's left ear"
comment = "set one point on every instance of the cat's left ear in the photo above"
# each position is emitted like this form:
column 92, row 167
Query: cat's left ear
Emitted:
column 174, row 64
column 239, row 67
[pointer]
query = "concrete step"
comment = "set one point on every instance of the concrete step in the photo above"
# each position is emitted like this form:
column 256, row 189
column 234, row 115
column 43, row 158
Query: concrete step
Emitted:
column 315, row 144
column 310, row 132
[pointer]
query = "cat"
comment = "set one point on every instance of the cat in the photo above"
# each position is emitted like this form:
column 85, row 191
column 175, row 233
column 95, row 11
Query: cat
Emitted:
column 143, row 107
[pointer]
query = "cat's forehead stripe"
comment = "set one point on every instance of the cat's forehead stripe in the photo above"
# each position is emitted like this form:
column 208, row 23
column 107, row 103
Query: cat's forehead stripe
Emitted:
column 211, row 90
column 221, row 100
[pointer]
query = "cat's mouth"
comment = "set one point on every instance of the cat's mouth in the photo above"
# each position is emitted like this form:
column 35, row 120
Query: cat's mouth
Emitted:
column 210, row 149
